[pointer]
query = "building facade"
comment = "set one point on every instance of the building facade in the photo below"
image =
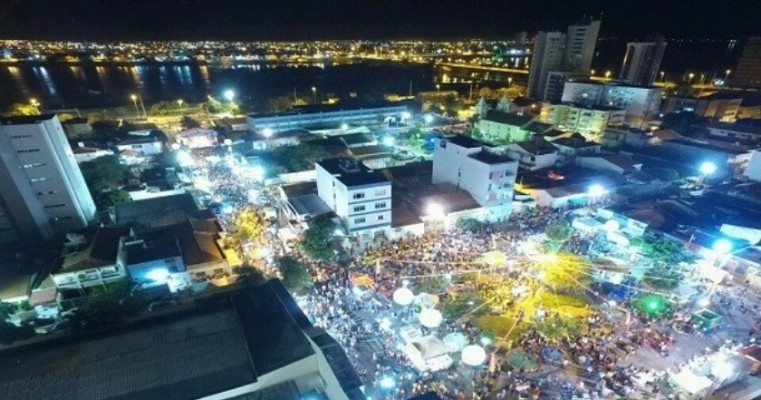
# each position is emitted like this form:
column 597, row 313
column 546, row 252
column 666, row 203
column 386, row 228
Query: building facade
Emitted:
column 641, row 103
column 360, row 197
column 547, row 56
column 323, row 115
column 42, row 191
column 723, row 109
column 476, row 168
column 748, row 71
column 580, row 45
column 642, row 62
column 591, row 121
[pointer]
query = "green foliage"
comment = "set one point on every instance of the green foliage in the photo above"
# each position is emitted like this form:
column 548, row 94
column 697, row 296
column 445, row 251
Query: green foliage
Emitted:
column 25, row 306
column 415, row 137
column 281, row 103
column 455, row 306
column 189, row 123
column 110, row 198
column 10, row 333
column 107, row 308
column 664, row 277
column 303, row 156
column 163, row 108
column 557, row 233
column 316, row 242
column 295, row 275
column 6, row 310
column 103, row 173
column 250, row 276
column 469, row 224
column 432, row 285
column 663, row 250
column 664, row 174
column 17, row 109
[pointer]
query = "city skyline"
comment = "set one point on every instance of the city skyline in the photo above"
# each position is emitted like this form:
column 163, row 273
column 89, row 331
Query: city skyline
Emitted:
column 289, row 20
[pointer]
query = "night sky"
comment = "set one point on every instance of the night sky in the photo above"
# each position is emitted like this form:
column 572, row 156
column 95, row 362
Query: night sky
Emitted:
column 371, row 19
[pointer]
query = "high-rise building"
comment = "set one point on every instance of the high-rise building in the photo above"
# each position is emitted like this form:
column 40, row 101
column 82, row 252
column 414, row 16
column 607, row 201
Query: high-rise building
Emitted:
column 580, row 45
column 547, row 56
column 42, row 191
column 642, row 62
column 748, row 71
column 558, row 57
column 640, row 102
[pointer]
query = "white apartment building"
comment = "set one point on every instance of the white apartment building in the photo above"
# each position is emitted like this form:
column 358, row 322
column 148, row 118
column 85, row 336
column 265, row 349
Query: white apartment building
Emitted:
column 42, row 191
column 361, row 197
column 476, row 168
column 640, row 102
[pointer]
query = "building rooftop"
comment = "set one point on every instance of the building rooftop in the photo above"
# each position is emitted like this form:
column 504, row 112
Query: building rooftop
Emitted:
column 595, row 107
column 25, row 119
column 735, row 127
column 575, row 141
column 465, row 141
column 713, row 146
column 363, row 178
column 324, row 108
column 342, row 165
column 538, row 127
column 354, row 139
column 537, row 147
column 194, row 240
column 101, row 251
column 367, row 151
column 491, row 158
column 508, row 118
column 159, row 211
column 216, row 346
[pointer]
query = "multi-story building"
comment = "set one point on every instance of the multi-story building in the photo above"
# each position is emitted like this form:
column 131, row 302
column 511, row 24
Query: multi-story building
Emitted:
column 642, row 62
column 748, row 71
column 640, row 102
column 361, row 197
column 486, row 174
column 589, row 120
column 558, row 57
column 547, row 56
column 42, row 191
column 502, row 127
column 323, row 114
column 580, row 45
column 723, row 108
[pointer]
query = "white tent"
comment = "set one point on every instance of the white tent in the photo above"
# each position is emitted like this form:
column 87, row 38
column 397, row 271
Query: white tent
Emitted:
column 691, row 383
column 429, row 353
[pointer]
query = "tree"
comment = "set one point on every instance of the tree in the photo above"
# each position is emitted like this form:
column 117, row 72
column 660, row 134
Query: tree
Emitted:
column 6, row 310
column 164, row 108
column 316, row 242
column 432, row 284
column 250, row 276
column 469, row 224
column 557, row 233
column 250, row 226
column 280, row 103
column 663, row 251
column 103, row 173
column 664, row 174
column 295, row 275
column 189, row 123
column 110, row 198
column 10, row 333
column 16, row 109
column 662, row 276
column 107, row 308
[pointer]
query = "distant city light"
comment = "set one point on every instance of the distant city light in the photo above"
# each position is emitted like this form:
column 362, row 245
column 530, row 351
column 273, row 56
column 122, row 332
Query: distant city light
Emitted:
column 229, row 94
column 267, row 132
column 707, row 168
column 344, row 126
column 722, row 246
column 428, row 118
column 406, row 115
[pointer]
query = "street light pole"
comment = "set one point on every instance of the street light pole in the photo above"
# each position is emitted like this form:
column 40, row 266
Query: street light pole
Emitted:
column 179, row 103
column 314, row 95
column 134, row 101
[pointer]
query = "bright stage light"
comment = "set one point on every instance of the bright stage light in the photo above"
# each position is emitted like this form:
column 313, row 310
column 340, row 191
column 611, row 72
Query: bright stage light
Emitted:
column 159, row 275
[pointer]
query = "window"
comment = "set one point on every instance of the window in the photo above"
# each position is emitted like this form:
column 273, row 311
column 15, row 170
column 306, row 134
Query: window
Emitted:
column 56, row 205
column 19, row 136
column 380, row 218
column 360, row 195
column 380, row 192
column 28, row 151
column 35, row 165
column 359, row 220
column 382, row 204
column 35, row 180
column 359, row 208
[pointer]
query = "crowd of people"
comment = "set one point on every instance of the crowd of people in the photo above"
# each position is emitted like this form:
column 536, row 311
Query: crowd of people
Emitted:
column 591, row 362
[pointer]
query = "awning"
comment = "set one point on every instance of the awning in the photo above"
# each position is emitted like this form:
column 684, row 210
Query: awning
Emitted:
column 44, row 296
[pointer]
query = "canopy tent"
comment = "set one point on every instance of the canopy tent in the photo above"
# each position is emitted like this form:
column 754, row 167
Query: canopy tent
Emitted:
column 691, row 383
column 429, row 354
column 456, row 341
column 362, row 280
